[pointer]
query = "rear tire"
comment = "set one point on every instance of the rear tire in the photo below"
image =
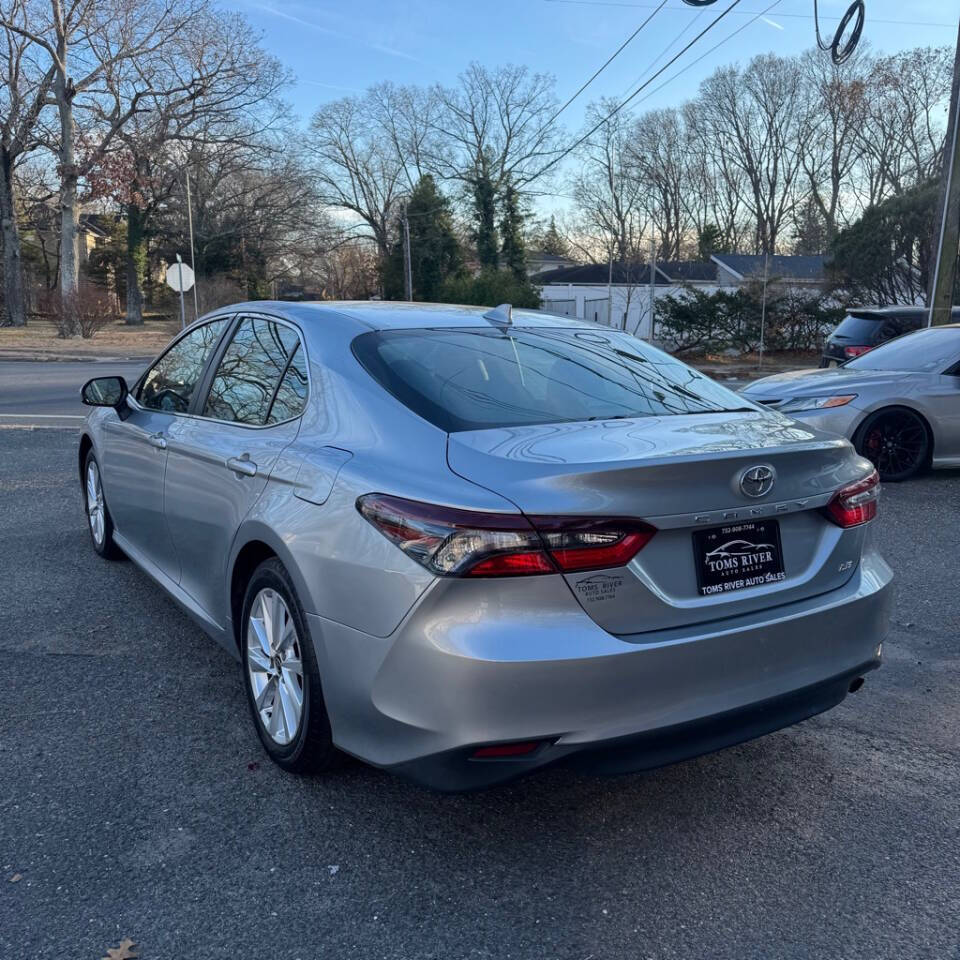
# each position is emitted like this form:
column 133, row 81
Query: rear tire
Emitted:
column 280, row 674
column 896, row 441
column 99, row 521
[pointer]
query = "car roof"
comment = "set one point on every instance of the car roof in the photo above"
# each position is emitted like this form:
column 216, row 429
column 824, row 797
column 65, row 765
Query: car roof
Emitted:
column 395, row 315
column 878, row 313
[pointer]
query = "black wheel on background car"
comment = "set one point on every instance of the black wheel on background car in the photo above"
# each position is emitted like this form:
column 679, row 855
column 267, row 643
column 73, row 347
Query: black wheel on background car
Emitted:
column 895, row 441
column 99, row 522
column 281, row 676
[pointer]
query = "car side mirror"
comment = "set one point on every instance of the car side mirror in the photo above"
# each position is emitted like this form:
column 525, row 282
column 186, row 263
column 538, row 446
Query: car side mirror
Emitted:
column 104, row 392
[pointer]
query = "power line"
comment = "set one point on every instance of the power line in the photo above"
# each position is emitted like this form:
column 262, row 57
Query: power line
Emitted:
column 747, row 13
column 609, row 60
column 646, row 83
column 665, row 50
column 707, row 53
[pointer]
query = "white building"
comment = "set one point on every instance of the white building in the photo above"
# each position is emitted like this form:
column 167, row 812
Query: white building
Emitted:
column 590, row 291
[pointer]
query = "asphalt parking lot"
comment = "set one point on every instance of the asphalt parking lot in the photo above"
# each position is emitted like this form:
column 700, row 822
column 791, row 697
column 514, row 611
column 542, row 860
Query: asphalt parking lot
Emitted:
column 135, row 800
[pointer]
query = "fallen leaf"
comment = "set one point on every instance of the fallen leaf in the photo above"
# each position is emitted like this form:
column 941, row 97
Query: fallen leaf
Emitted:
column 16, row 878
column 123, row 952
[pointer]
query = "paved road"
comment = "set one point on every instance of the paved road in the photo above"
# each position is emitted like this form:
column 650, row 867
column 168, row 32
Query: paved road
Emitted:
column 50, row 388
column 135, row 800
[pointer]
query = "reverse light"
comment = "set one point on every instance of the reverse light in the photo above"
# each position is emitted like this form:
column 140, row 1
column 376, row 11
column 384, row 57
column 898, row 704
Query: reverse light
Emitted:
column 468, row 543
column 794, row 404
column 851, row 352
column 856, row 503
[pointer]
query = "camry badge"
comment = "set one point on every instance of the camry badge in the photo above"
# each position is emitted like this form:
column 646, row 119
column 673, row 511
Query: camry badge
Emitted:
column 756, row 481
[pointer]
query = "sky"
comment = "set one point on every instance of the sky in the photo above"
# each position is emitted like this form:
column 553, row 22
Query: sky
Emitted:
column 338, row 48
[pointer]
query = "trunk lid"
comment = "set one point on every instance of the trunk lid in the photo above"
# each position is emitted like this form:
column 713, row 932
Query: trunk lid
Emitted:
column 682, row 474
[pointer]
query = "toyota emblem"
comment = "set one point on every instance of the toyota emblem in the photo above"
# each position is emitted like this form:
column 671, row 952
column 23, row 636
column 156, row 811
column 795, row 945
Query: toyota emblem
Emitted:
column 757, row 481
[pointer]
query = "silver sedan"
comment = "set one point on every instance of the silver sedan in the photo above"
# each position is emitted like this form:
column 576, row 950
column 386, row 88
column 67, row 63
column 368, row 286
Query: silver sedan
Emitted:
column 463, row 544
column 899, row 404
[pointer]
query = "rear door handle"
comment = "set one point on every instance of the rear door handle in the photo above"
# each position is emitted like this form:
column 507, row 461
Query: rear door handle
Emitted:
column 157, row 440
column 242, row 468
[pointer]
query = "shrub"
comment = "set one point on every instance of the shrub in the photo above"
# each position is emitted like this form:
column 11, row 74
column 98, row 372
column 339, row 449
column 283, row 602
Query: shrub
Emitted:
column 490, row 288
column 795, row 318
column 83, row 313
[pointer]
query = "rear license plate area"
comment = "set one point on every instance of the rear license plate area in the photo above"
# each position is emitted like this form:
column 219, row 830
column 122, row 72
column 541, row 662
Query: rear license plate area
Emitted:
column 737, row 557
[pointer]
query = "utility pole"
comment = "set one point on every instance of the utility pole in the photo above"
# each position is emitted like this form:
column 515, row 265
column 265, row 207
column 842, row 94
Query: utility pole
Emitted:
column 653, row 284
column 610, row 289
column 193, row 264
column 948, row 249
column 763, row 308
column 407, row 270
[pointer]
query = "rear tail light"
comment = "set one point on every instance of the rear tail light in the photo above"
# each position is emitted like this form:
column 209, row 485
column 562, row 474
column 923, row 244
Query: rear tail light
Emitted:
column 856, row 503
column 467, row 543
column 851, row 352
column 502, row 751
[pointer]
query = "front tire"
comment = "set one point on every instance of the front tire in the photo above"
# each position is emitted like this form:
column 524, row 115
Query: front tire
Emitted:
column 281, row 675
column 896, row 442
column 99, row 521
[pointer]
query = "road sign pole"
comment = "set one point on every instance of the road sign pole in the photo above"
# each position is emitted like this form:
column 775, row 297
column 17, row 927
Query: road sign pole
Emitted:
column 183, row 321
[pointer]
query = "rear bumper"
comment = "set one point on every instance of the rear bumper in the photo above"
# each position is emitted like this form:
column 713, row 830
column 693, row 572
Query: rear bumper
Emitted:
column 468, row 668
column 455, row 770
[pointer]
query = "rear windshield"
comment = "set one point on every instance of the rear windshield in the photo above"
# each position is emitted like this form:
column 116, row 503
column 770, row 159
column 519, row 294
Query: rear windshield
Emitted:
column 860, row 328
column 473, row 379
column 926, row 351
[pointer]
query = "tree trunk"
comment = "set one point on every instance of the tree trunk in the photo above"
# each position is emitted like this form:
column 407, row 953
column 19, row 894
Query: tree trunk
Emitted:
column 69, row 206
column 135, row 261
column 14, row 292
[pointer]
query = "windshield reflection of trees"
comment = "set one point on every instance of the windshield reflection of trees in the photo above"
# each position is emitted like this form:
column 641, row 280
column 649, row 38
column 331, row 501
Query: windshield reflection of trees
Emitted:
column 249, row 373
column 170, row 383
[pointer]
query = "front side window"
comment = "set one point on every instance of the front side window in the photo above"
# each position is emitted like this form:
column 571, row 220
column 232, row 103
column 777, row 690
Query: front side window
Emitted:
column 472, row 379
column 169, row 384
column 250, row 372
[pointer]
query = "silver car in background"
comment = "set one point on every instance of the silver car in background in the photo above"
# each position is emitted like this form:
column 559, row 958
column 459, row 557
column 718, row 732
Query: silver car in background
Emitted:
column 899, row 404
column 464, row 544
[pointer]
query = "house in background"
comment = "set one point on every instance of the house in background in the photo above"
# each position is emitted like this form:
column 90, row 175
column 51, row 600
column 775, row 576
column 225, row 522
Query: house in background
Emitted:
column 735, row 269
column 539, row 262
column 589, row 291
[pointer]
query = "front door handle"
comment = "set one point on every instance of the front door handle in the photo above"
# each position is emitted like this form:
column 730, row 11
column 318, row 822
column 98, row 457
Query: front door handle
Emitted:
column 157, row 440
column 242, row 467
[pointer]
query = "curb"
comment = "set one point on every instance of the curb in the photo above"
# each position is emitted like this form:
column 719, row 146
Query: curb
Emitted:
column 72, row 358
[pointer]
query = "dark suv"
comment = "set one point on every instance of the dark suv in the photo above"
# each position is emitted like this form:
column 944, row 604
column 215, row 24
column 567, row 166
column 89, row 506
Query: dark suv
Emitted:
column 864, row 328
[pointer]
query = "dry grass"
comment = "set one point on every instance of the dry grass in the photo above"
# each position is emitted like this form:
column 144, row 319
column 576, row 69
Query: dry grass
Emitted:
column 116, row 339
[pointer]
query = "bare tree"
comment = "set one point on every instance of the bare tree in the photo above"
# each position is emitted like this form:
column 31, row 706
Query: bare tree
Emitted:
column 657, row 151
column 23, row 94
column 356, row 166
column 902, row 133
column 758, row 120
column 212, row 83
column 84, row 42
column 837, row 105
column 610, row 197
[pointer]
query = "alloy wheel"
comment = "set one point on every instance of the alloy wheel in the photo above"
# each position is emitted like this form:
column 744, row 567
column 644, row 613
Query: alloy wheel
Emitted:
column 896, row 444
column 95, row 508
column 275, row 666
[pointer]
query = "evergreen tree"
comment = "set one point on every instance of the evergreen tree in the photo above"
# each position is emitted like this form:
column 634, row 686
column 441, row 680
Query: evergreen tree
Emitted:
column 485, row 214
column 512, row 250
column 435, row 251
column 710, row 241
column 811, row 236
column 552, row 241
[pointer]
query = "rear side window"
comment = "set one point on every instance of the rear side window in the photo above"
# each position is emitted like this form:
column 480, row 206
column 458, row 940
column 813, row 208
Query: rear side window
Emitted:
column 473, row 379
column 291, row 396
column 250, row 372
column 170, row 382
